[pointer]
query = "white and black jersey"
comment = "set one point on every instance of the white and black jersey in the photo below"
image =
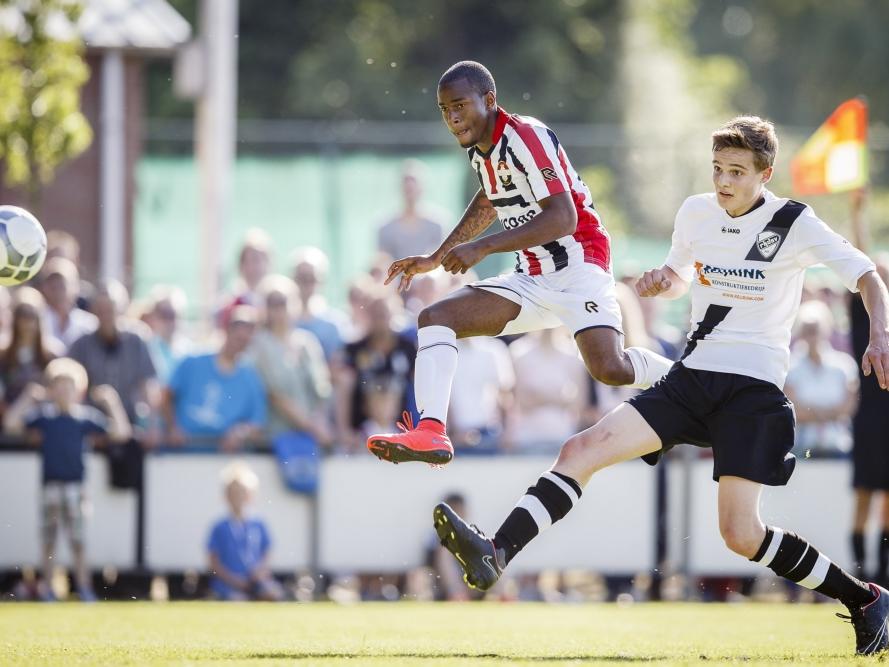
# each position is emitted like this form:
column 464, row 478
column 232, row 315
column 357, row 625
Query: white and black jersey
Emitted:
column 746, row 277
column 525, row 164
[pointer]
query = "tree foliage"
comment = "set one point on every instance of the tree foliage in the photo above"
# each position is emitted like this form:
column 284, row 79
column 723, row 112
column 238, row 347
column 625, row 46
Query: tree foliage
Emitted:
column 791, row 60
column 381, row 59
column 41, row 125
column 803, row 56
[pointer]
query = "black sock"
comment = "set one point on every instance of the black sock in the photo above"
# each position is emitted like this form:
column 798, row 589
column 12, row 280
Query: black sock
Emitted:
column 883, row 556
column 791, row 557
column 858, row 553
column 545, row 503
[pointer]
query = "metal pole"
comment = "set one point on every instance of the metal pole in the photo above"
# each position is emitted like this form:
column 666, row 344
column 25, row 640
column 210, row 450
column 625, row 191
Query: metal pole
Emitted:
column 113, row 152
column 216, row 137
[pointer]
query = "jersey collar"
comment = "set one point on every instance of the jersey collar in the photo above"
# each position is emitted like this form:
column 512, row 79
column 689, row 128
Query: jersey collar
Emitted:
column 499, row 126
column 766, row 195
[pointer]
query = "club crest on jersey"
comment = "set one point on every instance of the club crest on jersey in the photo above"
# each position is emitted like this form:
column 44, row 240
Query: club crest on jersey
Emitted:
column 768, row 243
column 549, row 174
column 503, row 173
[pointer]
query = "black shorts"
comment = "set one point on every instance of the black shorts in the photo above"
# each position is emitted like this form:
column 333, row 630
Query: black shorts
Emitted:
column 870, row 449
column 748, row 423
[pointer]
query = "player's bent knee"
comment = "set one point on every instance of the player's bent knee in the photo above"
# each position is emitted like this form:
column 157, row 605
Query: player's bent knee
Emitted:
column 742, row 538
column 433, row 315
column 573, row 449
column 578, row 454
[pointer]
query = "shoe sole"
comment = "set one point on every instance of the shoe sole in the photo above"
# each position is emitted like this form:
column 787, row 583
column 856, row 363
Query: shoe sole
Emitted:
column 445, row 531
column 395, row 452
column 447, row 535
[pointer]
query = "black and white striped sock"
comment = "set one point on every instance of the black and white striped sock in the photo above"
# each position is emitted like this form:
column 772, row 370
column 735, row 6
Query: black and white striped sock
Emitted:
column 545, row 503
column 790, row 556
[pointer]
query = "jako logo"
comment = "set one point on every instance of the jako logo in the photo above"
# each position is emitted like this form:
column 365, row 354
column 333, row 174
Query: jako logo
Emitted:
column 701, row 271
column 731, row 230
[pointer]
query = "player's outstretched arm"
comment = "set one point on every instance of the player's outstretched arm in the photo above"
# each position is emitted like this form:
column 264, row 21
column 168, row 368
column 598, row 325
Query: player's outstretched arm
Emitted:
column 557, row 218
column 663, row 282
column 477, row 218
column 876, row 301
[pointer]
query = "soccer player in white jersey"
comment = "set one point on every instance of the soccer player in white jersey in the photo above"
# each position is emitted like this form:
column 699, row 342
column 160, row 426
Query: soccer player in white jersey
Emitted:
column 744, row 252
column 563, row 269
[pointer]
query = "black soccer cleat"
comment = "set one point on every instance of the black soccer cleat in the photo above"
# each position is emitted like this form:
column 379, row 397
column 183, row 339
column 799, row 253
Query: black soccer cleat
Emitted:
column 869, row 621
column 475, row 552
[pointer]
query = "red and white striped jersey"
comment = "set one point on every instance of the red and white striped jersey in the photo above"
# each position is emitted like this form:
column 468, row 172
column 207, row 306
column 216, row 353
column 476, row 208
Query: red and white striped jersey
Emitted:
column 526, row 163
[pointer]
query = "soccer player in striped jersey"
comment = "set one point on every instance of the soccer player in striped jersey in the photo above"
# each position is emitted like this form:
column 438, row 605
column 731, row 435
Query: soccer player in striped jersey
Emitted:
column 744, row 252
column 563, row 262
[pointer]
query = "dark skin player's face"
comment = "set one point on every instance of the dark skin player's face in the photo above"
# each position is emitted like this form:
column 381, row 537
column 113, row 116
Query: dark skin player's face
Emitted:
column 469, row 116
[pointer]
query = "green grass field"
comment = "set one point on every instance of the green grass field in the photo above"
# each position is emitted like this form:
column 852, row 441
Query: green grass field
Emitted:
column 422, row 634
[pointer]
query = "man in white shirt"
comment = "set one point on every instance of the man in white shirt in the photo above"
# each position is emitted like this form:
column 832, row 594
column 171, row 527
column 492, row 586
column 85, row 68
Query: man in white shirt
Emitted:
column 823, row 386
column 744, row 252
column 482, row 390
column 64, row 321
column 415, row 229
column 552, row 389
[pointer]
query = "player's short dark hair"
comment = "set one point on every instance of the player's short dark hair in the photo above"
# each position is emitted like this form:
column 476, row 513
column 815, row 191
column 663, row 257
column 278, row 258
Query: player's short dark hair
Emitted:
column 478, row 76
column 751, row 133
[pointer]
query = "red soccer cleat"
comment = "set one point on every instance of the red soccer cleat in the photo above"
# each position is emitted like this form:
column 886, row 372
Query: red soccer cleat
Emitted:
column 427, row 443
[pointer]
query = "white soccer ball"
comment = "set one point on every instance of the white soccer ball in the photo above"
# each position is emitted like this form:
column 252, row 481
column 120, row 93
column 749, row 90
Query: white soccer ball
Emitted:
column 22, row 246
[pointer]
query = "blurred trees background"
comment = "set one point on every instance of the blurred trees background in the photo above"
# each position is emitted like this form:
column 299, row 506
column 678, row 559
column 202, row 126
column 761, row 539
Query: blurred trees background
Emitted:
column 658, row 75
column 374, row 59
column 40, row 80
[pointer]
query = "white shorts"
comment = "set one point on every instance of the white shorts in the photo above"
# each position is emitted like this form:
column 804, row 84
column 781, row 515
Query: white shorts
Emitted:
column 580, row 297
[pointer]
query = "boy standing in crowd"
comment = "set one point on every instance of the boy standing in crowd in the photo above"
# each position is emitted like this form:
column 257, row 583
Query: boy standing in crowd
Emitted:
column 59, row 421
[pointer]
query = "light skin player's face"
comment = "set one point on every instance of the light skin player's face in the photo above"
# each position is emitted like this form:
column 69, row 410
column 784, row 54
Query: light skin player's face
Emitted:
column 468, row 115
column 737, row 182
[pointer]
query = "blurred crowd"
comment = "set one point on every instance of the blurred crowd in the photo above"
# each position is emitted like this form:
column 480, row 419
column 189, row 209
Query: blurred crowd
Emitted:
column 279, row 359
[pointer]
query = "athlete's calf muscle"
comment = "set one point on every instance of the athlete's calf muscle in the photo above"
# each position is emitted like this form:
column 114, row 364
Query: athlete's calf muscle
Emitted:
column 470, row 312
column 603, row 354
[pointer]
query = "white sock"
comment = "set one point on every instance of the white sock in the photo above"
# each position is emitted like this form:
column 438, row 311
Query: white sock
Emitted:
column 434, row 371
column 648, row 366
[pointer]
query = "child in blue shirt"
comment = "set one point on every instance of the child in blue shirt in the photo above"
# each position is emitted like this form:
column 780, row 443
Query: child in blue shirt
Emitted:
column 57, row 419
column 239, row 546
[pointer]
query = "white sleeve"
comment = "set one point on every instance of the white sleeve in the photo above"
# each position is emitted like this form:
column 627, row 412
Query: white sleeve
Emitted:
column 681, row 259
column 816, row 243
column 538, row 155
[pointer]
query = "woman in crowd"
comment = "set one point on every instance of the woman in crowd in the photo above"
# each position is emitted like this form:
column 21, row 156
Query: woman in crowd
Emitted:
column 291, row 364
column 25, row 358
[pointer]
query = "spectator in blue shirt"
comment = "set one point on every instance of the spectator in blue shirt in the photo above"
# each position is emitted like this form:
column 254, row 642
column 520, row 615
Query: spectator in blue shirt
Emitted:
column 238, row 546
column 58, row 420
column 217, row 397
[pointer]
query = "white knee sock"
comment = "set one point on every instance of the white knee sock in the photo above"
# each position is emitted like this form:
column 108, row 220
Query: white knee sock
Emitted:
column 434, row 371
column 649, row 366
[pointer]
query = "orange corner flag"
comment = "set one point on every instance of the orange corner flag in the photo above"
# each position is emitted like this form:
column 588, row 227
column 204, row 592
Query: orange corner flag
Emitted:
column 834, row 159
